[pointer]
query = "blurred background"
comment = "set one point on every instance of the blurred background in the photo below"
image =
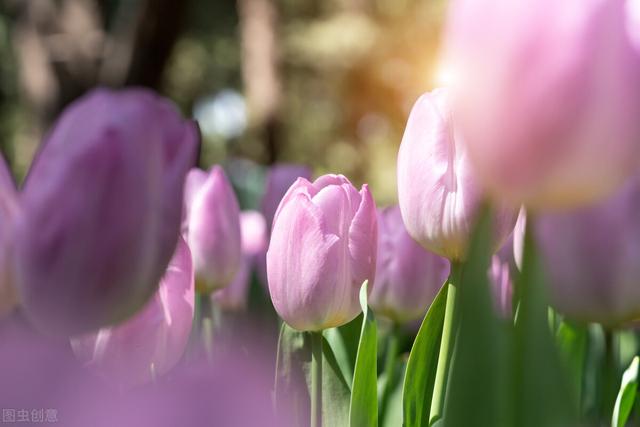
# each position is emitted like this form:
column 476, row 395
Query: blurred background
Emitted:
column 324, row 83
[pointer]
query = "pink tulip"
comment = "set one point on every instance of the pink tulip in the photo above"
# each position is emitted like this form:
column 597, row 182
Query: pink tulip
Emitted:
column 153, row 341
column 438, row 192
column 254, row 243
column 279, row 178
column 213, row 228
column 501, row 284
column 590, row 257
column 100, row 210
column 323, row 247
column 408, row 277
column 547, row 95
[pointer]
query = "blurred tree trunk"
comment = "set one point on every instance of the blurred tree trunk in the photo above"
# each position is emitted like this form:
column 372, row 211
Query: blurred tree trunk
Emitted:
column 260, row 74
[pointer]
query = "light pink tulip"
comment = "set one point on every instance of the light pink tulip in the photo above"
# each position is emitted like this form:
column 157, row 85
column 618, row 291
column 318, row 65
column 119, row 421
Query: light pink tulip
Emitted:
column 254, row 243
column 213, row 228
column 547, row 95
column 154, row 339
column 438, row 192
column 323, row 247
column 408, row 277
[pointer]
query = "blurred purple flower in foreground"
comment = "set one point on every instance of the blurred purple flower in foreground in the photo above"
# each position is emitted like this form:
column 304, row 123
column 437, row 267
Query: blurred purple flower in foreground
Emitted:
column 279, row 178
column 254, row 245
column 151, row 342
column 438, row 192
column 547, row 95
column 8, row 210
column 408, row 277
column 42, row 376
column 100, row 210
column 323, row 247
column 591, row 257
column 212, row 228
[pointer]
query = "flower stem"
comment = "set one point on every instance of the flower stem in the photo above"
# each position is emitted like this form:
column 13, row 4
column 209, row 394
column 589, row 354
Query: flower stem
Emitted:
column 389, row 368
column 207, row 324
column 449, row 329
column 316, row 379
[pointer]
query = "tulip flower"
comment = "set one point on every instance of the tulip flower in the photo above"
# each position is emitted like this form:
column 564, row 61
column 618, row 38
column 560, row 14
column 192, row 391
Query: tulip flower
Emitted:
column 100, row 210
column 213, row 230
column 8, row 211
column 254, row 244
column 547, row 95
column 501, row 284
column 408, row 277
column 151, row 342
column 279, row 178
column 438, row 193
column 323, row 247
column 590, row 258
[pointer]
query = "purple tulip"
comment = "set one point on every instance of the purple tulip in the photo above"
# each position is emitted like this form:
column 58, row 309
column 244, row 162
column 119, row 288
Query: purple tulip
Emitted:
column 408, row 277
column 591, row 258
column 213, row 230
column 501, row 283
column 151, row 341
column 279, row 178
column 547, row 96
column 437, row 188
column 323, row 247
column 100, row 210
column 8, row 212
column 254, row 243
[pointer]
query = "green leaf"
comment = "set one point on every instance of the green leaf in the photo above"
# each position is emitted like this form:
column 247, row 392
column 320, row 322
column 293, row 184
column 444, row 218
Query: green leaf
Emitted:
column 363, row 410
column 626, row 395
column 477, row 393
column 344, row 343
column 421, row 367
column 539, row 378
column 572, row 344
column 392, row 416
column 293, row 381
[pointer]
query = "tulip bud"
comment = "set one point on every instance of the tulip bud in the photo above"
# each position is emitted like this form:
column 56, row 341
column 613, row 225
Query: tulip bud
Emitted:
column 279, row 178
column 100, row 210
column 437, row 189
column 213, row 231
column 151, row 342
column 590, row 257
column 547, row 95
column 8, row 208
column 323, row 247
column 254, row 242
column 501, row 284
column 408, row 277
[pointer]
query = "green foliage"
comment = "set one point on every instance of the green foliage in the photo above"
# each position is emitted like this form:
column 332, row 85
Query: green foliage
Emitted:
column 626, row 395
column 421, row 367
column 363, row 410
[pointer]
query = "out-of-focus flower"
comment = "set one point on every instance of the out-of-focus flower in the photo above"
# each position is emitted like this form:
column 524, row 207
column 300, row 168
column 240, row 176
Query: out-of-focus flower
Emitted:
column 43, row 377
column 501, row 284
column 323, row 247
column 547, row 95
column 151, row 342
column 408, row 277
column 438, row 192
column 100, row 210
column 279, row 178
column 8, row 210
column 590, row 257
column 213, row 228
column 254, row 243
column 518, row 237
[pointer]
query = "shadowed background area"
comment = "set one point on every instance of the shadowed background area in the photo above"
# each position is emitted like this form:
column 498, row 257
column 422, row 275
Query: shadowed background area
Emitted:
column 328, row 84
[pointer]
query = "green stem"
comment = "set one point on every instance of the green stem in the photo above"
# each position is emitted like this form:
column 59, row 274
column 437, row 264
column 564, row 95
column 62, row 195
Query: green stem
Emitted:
column 316, row 379
column 389, row 368
column 446, row 345
column 206, row 312
column 611, row 380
